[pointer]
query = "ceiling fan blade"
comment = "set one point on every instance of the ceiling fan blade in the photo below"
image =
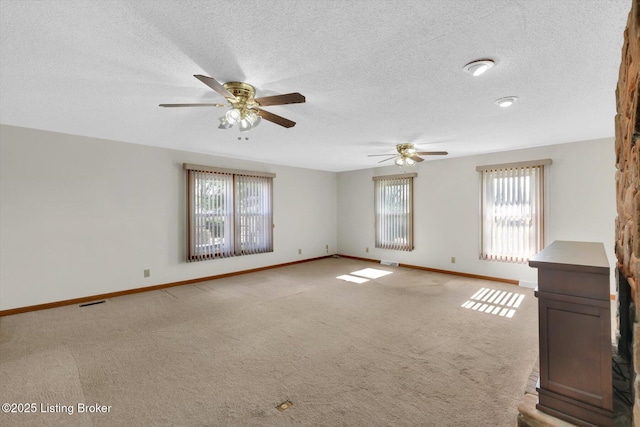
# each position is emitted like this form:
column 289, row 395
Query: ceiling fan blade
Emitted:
column 378, row 155
column 274, row 118
column 215, row 85
column 193, row 105
column 417, row 158
column 381, row 161
column 432, row 153
column 288, row 98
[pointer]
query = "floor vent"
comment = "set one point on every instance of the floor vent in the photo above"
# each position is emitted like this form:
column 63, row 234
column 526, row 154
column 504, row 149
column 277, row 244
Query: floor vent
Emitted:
column 391, row 263
column 284, row 405
column 92, row 303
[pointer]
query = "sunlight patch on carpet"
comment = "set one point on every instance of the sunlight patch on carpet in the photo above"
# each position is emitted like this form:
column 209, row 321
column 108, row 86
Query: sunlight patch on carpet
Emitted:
column 362, row 276
column 371, row 273
column 494, row 302
column 353, row 279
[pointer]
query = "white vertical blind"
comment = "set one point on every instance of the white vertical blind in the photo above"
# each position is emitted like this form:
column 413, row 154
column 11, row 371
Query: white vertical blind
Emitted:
column 254, row 230
column 211, row 216
column 229, row 213
column 394, row 212
column 512, row 208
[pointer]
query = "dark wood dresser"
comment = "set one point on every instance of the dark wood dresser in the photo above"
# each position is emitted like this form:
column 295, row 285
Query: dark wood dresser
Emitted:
column 575, row 333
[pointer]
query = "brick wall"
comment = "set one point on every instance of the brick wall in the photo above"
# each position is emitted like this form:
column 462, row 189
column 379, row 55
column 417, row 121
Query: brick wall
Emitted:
column 627, row 125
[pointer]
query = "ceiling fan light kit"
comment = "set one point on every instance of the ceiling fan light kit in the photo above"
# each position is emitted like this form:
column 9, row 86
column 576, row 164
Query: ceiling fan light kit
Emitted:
column 245, row 118
column 224, row 123
column 405, row 161
column 233, row 116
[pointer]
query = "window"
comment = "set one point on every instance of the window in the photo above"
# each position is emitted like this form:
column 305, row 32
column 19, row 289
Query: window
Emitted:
column 230, row 212
column 512, row 210
column 394, row 211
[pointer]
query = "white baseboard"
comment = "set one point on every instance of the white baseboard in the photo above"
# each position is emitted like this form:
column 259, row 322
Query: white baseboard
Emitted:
column 525, row 284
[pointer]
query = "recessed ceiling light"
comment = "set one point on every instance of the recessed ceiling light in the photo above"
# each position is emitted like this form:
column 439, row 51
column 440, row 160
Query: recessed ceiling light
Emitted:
column 477, row 68
column 507, row 101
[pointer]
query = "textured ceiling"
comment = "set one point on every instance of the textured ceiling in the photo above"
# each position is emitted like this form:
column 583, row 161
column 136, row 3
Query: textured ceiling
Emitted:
column 374, row 73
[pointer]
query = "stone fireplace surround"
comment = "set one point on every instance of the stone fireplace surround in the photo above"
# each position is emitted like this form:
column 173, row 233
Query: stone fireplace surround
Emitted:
column 627, row 223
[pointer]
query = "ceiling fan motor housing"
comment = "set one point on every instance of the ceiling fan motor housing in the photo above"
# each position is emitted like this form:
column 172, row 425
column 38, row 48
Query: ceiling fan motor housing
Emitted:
column 244, row 94
column 406, row 150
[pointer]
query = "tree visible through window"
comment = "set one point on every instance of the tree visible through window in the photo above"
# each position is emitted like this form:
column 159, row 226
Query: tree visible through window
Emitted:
column 512, row 211
column 394, row 212
column 230, row 213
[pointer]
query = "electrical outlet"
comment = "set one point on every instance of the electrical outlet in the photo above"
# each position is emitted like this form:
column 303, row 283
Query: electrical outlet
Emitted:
column 299, row 251
column 147, row 273
column 327, row 246
column 453, row 260
column 366, row 250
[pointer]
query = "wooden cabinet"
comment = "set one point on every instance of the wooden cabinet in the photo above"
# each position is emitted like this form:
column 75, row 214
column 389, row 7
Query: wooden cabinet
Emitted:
column 575, row 333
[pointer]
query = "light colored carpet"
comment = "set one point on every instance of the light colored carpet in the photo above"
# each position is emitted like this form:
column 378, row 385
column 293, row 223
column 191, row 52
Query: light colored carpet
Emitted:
column 394, row 351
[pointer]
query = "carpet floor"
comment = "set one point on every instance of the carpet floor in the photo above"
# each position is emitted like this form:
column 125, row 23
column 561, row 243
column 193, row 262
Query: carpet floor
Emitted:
column 408, row 348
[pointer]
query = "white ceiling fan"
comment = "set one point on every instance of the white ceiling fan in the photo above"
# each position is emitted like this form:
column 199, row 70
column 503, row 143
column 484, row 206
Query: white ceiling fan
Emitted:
column 407, row 155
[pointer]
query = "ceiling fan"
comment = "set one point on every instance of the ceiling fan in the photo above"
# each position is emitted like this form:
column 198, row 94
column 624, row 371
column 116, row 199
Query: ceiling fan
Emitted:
column 408, row 155
column 245, row 107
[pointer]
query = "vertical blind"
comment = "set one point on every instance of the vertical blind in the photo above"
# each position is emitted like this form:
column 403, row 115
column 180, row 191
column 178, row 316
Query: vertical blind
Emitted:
column 512, row 211
column 394, row 212
column 230, row 213
column 254, row 230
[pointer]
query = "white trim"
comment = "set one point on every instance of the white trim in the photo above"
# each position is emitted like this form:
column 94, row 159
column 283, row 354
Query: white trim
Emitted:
column 524, row 284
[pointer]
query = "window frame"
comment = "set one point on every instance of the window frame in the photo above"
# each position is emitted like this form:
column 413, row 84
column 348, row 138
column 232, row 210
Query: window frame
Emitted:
column 538, row 220
column 382, row 232
column 233, row 213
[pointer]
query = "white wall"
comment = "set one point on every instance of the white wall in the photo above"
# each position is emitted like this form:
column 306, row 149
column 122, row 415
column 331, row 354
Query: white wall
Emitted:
column 82, row 216
column 581, row 206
